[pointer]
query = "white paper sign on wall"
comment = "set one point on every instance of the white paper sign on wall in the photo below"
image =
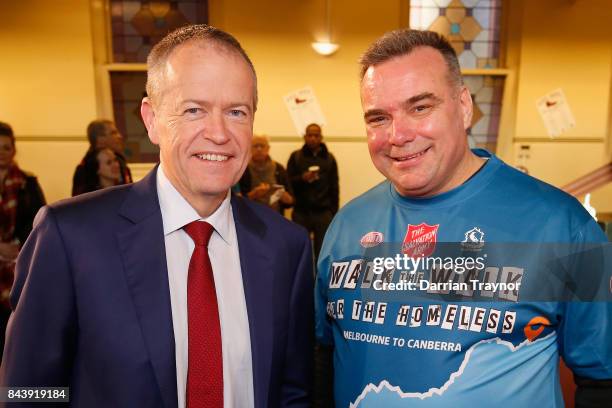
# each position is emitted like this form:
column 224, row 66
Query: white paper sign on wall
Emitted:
column 304, row 109
column 555, row 112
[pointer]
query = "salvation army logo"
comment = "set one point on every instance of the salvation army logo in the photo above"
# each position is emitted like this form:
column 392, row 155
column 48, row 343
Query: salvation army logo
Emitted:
column 420, row 240
column 474, row 239
column 371, row 239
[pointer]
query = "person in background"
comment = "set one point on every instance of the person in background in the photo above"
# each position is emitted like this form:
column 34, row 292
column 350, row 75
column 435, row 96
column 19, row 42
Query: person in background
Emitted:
column 102, row 133
column 265, row 180
column 20, row 199
column 100, row 170
column 313, row 173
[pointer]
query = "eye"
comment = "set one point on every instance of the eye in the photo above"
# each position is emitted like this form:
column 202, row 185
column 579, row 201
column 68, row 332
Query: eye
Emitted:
column 192, row 111
column 376, row 120
column 238, row 113
column 422, row 108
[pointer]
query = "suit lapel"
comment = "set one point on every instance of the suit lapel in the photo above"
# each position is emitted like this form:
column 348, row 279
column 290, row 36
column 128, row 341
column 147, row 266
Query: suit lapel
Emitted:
column 143, row 253
column 144, row 258
column 257, row 277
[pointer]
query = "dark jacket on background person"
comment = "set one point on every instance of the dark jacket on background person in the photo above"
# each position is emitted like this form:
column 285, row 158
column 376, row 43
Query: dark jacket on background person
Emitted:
column 31, row 199
column 281, row 176
column 322, row 194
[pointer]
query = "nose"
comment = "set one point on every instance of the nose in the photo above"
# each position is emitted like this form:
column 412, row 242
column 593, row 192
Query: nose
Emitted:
column 402, row 132
column 216, row 129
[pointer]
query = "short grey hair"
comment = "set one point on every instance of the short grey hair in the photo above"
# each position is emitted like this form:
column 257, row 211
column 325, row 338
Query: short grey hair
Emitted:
column 199, row 32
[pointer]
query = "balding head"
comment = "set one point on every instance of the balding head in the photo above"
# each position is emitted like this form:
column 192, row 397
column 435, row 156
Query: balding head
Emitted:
column 260, row 148
column 200, row 34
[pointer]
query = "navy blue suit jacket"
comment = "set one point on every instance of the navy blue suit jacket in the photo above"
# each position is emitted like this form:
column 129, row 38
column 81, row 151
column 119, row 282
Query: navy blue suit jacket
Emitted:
column 91, row 303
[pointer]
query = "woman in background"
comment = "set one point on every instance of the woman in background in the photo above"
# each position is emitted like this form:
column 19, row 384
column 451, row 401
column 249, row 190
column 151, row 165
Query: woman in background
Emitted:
column 101, row 170
column 20, row 200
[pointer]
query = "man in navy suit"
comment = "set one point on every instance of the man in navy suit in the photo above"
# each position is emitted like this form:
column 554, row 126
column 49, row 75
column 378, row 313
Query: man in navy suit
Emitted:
column 100, row 302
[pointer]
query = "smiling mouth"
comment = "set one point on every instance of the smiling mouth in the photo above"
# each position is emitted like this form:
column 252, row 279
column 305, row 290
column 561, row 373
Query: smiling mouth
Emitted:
column 212, row 157
column 411, row 157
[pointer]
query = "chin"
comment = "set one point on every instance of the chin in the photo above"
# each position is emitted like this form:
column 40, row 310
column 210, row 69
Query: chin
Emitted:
column 413, row 187
column 214, row 189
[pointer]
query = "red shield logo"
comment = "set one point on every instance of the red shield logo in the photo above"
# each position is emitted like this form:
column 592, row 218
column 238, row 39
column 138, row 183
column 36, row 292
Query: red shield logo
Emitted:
column 420, row 240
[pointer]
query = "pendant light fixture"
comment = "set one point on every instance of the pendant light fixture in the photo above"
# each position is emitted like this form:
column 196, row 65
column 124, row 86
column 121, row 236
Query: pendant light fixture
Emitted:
column 326, row 47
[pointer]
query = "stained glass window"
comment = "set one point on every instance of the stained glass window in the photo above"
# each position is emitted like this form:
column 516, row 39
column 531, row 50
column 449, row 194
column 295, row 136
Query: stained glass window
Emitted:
column 487, row 92
column 472, row 26
column 137, row 25
column 128, row 89
column 473, row 29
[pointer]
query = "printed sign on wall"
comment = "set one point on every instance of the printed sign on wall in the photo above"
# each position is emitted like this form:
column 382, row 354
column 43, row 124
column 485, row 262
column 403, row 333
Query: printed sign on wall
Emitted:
column 304, row 109
column 555, row 112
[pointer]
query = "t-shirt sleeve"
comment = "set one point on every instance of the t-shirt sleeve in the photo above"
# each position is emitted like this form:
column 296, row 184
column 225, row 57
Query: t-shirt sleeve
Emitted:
column 586, row 330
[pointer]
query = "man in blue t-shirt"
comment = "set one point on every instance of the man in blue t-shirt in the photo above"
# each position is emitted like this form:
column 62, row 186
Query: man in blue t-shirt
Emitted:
column 486, row 324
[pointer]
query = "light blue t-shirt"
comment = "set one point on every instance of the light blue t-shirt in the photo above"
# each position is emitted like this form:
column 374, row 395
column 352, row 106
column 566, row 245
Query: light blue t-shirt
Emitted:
column 481, row 346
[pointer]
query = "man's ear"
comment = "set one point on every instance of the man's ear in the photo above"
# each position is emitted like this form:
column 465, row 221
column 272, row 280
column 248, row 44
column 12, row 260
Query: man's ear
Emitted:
column 148, row 117
column 467, row 108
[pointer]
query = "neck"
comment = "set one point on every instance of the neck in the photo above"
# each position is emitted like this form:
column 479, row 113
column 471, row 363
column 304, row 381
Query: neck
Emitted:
column 106, row 182
column 466, row 168
column 470, row 166
column 206, row 205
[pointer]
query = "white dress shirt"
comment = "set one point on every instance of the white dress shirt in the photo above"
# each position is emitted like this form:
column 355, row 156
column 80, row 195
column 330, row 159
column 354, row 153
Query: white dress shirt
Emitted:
column 224, row 257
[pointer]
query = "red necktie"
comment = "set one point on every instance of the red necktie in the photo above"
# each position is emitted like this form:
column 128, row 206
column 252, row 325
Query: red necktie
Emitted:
column 205, row 366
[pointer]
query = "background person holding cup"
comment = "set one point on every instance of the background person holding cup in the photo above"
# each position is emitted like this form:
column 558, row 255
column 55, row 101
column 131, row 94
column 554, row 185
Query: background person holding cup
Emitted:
column 313, row 173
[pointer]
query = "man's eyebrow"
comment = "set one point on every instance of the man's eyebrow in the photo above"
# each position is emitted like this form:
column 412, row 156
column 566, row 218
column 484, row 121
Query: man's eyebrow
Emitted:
column 425, row 95
column 407, row 103
column 373, row 112
column 193, row 100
